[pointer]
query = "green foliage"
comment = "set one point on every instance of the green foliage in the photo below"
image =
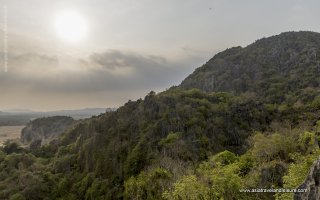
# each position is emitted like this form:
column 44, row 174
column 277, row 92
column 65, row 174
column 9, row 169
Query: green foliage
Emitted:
column 275, row 146
column 210, row 182
column 12, row 147
column 171, row 138
column 188, row 187
column 246, row 163
column 297, row 172
column 227, row 177
column 316, row 102
column 147, row 185
column 83, row 185
column 274, row 161
column 307, row 141
column 17, row 196
column 136, row 160
column 225, row 158
column 97, row 190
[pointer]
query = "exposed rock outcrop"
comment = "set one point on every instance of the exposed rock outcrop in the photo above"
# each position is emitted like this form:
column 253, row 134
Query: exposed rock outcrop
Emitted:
column 311, row 184
column 43, row 130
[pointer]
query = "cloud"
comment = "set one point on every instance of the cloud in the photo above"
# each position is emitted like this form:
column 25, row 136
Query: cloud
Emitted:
column 112, row 59
column 112, row 70
column 31, row 62
column 299, row 8
column 115, row 70
column 51, row 79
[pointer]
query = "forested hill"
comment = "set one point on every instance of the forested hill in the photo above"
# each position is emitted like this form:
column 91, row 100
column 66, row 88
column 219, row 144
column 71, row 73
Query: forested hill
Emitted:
column 246, row 119
column 281, row 68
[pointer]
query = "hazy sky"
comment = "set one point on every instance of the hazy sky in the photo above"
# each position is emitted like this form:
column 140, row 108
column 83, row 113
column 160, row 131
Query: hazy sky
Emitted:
column 130, row 47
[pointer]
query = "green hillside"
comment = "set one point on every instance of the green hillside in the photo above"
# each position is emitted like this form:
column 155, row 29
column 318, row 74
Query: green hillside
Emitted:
column 248, row 118
column 282, row 68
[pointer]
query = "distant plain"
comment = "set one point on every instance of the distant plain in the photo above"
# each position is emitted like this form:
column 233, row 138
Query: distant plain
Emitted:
column 9, row 132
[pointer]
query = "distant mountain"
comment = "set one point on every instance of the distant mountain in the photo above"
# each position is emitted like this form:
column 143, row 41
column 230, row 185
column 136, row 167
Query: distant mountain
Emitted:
column 78, row 114
column 4, row 113
column 18, row 111
column 23, row 116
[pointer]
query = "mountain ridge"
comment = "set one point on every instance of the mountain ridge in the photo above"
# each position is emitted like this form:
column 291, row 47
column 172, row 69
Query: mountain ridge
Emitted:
column 263, row 66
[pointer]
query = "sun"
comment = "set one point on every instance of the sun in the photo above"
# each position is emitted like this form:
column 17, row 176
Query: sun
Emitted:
column 70, row 26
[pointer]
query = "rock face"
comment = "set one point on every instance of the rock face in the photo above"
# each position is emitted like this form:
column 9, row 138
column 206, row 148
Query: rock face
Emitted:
column 311, row 184
column 43, row 130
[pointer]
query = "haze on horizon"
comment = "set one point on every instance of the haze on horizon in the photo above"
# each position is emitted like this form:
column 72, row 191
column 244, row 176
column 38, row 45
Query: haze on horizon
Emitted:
column 129, row 47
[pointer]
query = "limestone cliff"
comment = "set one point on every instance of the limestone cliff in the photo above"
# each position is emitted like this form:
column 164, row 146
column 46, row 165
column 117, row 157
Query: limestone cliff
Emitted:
column 43, row 130
column 311, row 184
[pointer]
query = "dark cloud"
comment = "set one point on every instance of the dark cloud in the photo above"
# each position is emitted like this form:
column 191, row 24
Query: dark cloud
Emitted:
column 115, row 70
column 109, row 78
column 112, row 70
column 116, row 59
column 34, row 58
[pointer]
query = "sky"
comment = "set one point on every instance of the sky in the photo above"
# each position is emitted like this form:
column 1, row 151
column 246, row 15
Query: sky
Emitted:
column 128, row 47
